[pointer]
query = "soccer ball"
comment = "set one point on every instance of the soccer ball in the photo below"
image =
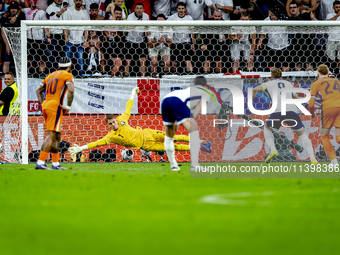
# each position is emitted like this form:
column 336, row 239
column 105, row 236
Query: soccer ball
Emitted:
column 1, row 148
column 127, row 154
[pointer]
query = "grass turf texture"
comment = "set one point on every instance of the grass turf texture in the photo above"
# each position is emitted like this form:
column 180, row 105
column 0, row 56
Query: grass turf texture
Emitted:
column 147, row 209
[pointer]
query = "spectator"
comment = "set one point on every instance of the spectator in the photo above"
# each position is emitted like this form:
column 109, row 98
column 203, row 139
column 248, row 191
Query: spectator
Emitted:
column 136, row 42
column 241, row 6
column 326, row 6
column 161, row 7
column 209, row 13
column 54, row 12
column 173, row 7
column 196, row 8
column 240, row 43
column 42, row 4
column 95, row 60
column 22, row 3
column 8, row 95
column 1, row 13
column 226, row 7
column 212, row 48
column 35, row 40
column 87, row 4
column 114, row 46
column 94, row 12
column 76, row 39
column 333, row 43
column 183, row 43
column 159, row 44
column 10, row 19
column 296, row 14
column 146, row 5
column 111, row 8
column 2, row 10
column 302, row 4
column 302, row 44
column 276, row 53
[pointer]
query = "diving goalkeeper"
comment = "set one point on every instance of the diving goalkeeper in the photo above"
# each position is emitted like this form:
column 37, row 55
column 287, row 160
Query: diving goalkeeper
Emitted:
column 135, row 138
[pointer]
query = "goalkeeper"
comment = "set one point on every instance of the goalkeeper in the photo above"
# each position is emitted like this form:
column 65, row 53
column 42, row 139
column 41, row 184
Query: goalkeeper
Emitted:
column 135, row 138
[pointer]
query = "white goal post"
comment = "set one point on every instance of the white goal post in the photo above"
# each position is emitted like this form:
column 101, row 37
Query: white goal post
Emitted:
column 225, row 27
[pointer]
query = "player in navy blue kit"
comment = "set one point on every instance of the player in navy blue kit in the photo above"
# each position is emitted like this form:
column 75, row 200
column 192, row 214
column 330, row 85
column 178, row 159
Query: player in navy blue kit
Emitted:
column 177, row 107
column 292, row 118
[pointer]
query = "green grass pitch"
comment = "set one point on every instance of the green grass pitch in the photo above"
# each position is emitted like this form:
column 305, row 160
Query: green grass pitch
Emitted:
column 144, row 208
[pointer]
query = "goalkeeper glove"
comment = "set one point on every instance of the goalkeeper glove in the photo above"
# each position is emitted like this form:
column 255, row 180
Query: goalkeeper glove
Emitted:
column 134, row 92
column 76, row 149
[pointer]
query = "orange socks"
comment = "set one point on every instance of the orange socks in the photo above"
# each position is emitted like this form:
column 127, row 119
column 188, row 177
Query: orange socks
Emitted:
column 55, row 157
column 328, row 147
column 43, row 155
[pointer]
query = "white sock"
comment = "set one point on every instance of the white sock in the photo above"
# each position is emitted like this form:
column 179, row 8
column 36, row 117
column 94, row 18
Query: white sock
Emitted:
column 55, row 163
column 334, row 162
column 269, row 137
column 307, row 145
column 195, row 144
column 40, row 162
column 170, row 150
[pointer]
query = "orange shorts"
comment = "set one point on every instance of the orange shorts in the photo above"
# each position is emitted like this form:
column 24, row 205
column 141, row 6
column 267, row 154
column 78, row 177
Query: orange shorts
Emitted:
column 53, row 119
column 330, row 118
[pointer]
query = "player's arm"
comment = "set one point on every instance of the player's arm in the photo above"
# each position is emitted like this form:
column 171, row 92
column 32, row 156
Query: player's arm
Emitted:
column 257, row 89
column 126, row 115
column 314, row 91
column 76, row 149
column 70, row 94
column 40, row 92
column 197, row 110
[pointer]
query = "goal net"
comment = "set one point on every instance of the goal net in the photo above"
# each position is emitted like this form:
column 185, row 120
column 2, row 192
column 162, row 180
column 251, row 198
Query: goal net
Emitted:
column 159, row 57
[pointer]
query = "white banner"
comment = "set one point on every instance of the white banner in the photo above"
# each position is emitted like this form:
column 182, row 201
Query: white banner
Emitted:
column 107, row 95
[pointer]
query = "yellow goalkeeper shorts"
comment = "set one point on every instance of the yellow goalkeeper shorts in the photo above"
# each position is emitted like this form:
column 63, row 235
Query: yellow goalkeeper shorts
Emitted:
column 153, row 140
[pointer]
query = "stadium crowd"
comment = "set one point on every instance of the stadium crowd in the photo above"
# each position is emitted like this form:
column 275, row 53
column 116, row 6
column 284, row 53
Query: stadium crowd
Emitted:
column 118, row 53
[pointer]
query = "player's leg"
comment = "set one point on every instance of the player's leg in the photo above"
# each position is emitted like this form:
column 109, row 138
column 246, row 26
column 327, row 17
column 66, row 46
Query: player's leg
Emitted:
column 269, row 140
column 45, row 150
column 307, row 145
column 169, row 120
column 328, row 147
column 296, row 124
column 268, row 135
column 191, row 126
column 328, row 117
column 170, row 131
column 55, row 153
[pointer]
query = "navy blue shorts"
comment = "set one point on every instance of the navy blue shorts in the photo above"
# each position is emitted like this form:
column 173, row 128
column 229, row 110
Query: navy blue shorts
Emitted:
column 173, row 109
column 291, row 119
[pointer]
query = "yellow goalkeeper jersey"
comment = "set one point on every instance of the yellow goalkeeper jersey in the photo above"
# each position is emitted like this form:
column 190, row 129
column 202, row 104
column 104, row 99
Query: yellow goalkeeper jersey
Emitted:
column 126, row 135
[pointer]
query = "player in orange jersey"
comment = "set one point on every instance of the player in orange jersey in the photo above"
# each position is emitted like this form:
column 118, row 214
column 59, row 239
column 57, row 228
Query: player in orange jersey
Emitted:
column 329, row 89
column 55, row 86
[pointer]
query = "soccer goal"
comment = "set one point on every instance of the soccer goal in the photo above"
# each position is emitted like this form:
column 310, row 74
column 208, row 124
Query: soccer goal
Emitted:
column 158, row 57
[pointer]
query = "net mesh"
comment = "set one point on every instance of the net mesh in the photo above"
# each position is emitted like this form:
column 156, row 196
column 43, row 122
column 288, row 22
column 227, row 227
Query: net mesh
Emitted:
column 100, row 90
column 11, row 127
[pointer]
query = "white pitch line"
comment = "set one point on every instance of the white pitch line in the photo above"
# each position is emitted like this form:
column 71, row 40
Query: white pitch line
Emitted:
column 225, row 199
